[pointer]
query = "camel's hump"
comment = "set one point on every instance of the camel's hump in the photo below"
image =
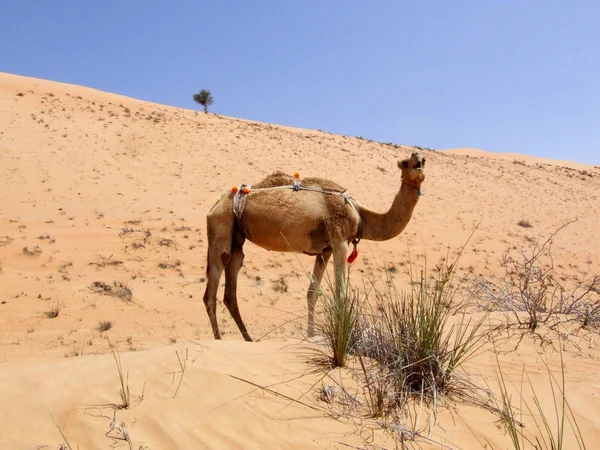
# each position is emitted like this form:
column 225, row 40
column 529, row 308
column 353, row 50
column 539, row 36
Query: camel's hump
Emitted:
column 282, row 179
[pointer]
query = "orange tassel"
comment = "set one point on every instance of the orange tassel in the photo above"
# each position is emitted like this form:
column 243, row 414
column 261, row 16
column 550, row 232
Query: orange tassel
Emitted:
column 353, row 256
column 234, row 189
column 297, row 175
column 246, row 190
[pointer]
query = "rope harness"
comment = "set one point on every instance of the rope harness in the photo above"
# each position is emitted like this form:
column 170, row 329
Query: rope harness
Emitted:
column 241, row 193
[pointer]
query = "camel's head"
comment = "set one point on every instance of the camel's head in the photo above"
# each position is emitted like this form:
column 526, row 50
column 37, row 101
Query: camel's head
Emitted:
column 412, row 169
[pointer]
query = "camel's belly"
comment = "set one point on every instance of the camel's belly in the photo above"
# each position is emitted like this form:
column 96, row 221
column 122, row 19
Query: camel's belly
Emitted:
column 296, row 222
column 285, row 234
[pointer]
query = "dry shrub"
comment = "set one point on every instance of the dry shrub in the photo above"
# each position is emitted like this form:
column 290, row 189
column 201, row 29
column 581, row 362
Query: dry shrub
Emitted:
column 104, row 325
column 118, row 289
column 34, row 252
column 54, row 311
column 5, row 240
column 280, row 285
column 524, row 223
column 530, row 285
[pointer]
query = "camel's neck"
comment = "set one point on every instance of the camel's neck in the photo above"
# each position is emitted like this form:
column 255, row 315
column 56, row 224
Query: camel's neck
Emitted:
column 381, row 227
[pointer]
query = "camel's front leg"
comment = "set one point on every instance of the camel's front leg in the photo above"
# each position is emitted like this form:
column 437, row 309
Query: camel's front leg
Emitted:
column 340, row 253
column 314, row 288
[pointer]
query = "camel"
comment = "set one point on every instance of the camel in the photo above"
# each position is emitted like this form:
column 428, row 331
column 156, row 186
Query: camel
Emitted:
column 314, row 216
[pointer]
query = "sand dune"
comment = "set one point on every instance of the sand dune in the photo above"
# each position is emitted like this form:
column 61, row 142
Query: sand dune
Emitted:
column 104, row 194
column 533, row 160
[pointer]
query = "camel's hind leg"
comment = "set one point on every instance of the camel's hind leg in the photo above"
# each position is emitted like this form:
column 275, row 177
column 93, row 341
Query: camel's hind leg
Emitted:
column 231, row 277
column 313, row 289
column 219, row 256
column 214, row 270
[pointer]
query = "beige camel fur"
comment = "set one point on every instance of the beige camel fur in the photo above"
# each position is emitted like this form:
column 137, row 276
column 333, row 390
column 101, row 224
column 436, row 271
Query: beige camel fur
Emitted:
column 304, row 221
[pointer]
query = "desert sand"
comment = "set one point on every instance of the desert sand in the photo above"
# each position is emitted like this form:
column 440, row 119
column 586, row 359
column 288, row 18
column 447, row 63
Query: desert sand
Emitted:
column 104, row 194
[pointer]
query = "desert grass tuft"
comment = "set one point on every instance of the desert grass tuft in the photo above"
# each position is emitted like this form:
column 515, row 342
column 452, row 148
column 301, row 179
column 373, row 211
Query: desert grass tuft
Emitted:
column 339, row 318
column 376, row 386
column 104, row 325
column 507, row 413
column 551, row 432
column 54, row 311
column 525, row 223
column 409, row 335
column 123, row 379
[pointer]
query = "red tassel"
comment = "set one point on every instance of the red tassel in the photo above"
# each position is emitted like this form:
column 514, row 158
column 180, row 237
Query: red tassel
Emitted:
column 353, row 256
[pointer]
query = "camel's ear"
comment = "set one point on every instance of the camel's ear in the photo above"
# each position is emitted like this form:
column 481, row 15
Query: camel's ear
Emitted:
column 403, row 164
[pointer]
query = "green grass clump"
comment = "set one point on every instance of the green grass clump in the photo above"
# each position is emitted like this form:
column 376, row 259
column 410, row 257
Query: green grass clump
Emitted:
column 410, row 337
column 340, row 313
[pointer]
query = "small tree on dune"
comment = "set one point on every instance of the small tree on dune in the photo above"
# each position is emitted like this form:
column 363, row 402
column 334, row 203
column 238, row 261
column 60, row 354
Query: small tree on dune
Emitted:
column 205, row 98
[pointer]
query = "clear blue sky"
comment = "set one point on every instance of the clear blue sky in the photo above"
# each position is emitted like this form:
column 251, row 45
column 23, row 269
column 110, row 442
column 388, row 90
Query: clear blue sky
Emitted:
column 502, row 75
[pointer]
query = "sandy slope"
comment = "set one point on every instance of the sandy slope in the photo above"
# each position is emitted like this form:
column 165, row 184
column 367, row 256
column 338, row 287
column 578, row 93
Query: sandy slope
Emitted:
column 102, row 188
column 532, row 160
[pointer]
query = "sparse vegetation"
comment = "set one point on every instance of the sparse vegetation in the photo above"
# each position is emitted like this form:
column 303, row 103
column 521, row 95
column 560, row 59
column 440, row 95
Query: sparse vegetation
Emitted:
column 173, row 265
column 138, row 238
column 32, row 253
column 408, row 347
column 524, row 223
column 104, row 261
column 280, row 285
column 416, row 350
column 552, row 426
column 54, row 311
column 123, row 380
column 530, row 286
column 118, row 289
column 104, row 325
column 204, row 98
column 63, row 267
column 164, row 242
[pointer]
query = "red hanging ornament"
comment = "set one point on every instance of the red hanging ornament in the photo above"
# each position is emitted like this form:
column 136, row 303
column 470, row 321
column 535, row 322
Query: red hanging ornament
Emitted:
column 353, row 256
